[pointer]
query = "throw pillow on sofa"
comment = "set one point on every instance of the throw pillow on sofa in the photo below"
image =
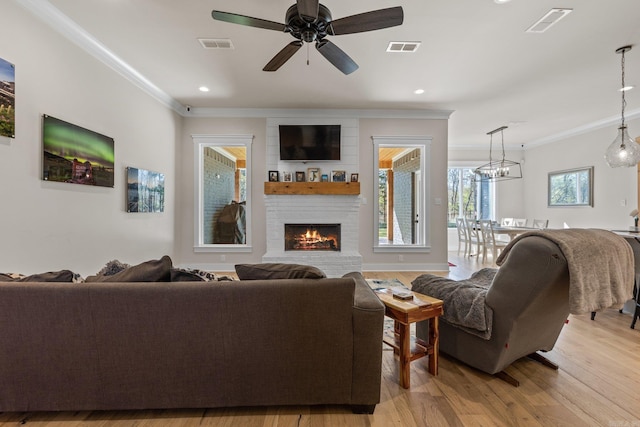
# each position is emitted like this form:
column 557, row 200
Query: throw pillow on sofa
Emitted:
column 50, row 276
column 270, row 271
column 149, row 271
column 195, row 275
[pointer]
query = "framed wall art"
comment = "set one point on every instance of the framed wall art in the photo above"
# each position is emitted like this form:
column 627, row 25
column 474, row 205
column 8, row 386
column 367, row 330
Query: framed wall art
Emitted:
column 145, row 191
column 7, row 99
column 572, row 187
column 76, row 155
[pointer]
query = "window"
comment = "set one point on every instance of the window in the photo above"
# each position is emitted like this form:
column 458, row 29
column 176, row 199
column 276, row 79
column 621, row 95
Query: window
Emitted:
column 572, row 187
column 468, row 197
column 222, row 193
column 401, row 218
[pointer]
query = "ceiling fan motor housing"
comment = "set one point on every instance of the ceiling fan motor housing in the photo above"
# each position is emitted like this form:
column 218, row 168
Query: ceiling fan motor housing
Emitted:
column 308, row 31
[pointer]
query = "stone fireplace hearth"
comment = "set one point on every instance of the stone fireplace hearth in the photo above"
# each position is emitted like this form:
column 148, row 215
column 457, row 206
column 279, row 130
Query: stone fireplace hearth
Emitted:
column 335, row 210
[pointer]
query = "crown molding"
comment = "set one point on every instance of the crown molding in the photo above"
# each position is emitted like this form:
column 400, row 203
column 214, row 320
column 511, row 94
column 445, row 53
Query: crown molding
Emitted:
column 322, row 113
column 580, row 130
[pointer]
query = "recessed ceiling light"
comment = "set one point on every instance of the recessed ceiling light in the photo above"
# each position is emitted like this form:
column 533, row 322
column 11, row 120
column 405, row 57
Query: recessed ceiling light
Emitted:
column 626, row 88
column 203, row 89
column 418, row 91
column 501, row 1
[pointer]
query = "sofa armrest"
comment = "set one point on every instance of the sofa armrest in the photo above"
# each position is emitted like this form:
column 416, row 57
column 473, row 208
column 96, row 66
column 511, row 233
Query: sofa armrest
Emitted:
column 364, row 297
column 368, row 322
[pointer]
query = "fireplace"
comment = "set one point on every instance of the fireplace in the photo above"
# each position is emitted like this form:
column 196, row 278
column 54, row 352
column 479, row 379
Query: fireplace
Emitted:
column 312, row 237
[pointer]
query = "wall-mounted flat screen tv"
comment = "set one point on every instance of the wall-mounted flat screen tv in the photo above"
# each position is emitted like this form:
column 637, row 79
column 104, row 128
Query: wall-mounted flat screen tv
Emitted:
column 309, row 142
column 76, row 155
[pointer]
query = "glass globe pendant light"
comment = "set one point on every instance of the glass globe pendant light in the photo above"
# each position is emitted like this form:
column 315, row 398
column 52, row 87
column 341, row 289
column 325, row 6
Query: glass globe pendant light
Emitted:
column 623, row 151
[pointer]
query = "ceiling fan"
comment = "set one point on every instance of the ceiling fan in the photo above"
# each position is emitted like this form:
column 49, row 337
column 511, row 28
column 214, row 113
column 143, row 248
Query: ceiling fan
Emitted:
column 309, row 21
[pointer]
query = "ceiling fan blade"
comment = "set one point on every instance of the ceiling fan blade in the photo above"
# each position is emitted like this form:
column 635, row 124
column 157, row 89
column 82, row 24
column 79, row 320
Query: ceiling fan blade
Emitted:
column 283, row 56
column 234, row 18
column 368, row 21
column 308, row 9
column 336, row 56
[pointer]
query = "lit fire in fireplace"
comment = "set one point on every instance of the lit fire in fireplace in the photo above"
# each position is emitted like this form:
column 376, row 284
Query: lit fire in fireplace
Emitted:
column 313, row 238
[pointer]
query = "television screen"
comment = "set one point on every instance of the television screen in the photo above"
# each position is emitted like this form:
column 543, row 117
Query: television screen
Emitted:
column 74, row 154
column 309, row 142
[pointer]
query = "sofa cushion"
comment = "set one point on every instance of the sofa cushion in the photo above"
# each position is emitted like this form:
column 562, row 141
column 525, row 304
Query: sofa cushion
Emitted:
column 149, row 271
column 270, row 271
column 50, row 276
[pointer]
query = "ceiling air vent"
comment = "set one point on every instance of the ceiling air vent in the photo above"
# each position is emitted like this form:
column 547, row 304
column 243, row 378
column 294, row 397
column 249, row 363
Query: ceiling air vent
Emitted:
column 216, row 43
column 406, row 47
column 550, row 18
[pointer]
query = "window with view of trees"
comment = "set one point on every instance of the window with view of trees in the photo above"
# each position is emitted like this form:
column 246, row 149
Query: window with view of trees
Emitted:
column 468, row 197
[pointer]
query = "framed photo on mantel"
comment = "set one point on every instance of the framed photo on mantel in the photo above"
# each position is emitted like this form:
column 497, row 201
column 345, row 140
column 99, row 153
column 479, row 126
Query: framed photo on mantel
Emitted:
column 338, row 176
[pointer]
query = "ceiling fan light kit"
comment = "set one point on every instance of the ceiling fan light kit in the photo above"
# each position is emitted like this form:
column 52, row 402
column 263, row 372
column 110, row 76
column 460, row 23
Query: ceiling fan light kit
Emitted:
column 309, row 21
column 498, row 170
column 623, row 151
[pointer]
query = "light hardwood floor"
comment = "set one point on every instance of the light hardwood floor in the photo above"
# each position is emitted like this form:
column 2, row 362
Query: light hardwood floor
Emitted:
column 598, row 384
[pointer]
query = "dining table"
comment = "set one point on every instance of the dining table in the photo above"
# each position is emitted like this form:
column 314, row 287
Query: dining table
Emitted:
column 511, row 231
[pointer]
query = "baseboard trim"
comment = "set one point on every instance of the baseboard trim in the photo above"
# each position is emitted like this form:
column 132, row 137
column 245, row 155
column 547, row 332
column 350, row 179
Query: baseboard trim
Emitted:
column 406, row 267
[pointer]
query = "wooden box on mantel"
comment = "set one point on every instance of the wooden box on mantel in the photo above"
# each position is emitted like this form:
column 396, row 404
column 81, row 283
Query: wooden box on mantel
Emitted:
column 330, row 188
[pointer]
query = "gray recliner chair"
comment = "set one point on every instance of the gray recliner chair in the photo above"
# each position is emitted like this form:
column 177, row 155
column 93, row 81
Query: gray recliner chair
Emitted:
column 499, row 316
column 528, row 300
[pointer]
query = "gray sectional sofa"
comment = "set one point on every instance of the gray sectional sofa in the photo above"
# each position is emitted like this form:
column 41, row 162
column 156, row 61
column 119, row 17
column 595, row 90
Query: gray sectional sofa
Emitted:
column 129, row 345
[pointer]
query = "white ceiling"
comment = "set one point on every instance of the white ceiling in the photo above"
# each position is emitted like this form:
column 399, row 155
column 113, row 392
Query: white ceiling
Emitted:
column 475, row 59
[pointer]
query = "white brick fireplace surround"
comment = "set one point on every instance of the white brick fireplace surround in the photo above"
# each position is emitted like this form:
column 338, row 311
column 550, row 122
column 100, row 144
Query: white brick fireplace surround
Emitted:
column 314, row 209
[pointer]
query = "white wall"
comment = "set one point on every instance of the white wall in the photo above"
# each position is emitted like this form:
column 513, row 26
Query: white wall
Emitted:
column 48, row 226
column 611, row 186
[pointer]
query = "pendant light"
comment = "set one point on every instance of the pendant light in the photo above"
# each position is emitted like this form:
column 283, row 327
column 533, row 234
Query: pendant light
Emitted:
column 623, row 151
column 498, row 170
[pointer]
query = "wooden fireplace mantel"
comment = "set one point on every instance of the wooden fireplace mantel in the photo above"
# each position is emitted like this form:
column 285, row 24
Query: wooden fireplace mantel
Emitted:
column 302, row 188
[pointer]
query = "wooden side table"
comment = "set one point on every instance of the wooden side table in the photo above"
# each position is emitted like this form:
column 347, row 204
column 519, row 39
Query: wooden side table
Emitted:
column 408, row 348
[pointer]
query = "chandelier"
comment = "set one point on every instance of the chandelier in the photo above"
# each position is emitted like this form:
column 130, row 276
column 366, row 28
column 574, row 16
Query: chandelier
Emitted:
column 498, row 170
column 623, row 151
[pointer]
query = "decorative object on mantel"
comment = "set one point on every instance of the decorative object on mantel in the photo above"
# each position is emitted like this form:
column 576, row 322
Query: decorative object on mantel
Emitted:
column 338, row 176
column 8, row 101
column 634, row 214
column 498, row 170
column 623, row 151
column 273, row 176
column 313, row 174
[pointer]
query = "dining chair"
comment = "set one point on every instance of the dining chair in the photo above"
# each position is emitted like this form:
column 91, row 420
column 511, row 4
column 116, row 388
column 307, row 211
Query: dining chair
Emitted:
column 463, row 238
column 475, row 237
column 540, row 223
column 490, row 241
column 520, row 222
column 506, row 222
